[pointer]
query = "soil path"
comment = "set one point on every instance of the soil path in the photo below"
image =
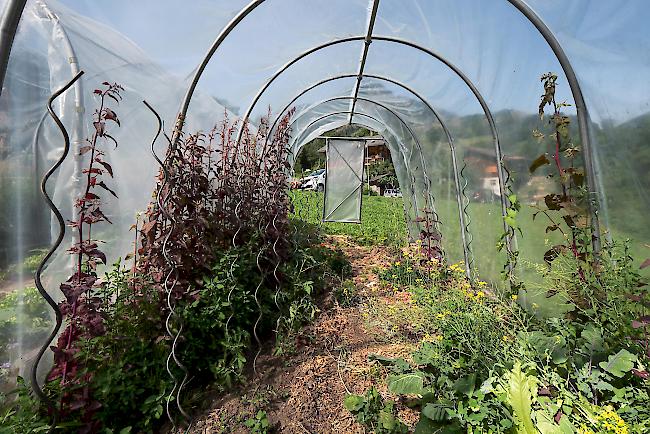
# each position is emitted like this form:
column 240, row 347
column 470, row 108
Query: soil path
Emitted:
column 304, row 392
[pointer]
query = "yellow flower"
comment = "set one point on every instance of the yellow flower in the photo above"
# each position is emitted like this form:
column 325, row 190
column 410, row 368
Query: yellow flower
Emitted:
column 394, row 276
column 514, row 297
column 481, row 283
column 397, row 264
column 409, row 269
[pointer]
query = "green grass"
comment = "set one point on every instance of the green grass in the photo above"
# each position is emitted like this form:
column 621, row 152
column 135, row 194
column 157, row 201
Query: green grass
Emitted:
column 382, row 219
column 383, row 223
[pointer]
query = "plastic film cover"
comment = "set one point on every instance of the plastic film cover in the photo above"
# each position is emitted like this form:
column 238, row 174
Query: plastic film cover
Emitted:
column 344, row 180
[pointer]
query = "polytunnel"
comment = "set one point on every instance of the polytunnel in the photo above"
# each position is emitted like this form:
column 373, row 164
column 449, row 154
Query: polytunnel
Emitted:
column 452, row 87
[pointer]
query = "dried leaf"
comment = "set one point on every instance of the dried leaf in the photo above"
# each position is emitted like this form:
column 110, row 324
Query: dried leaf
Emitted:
column 539, row 162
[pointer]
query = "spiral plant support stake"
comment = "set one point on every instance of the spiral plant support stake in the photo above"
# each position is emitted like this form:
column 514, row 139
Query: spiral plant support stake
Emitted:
column 39, row 271
column 468, row 219
column 280, row 187
column 231, row 273
column 512, row 247
column 171, row 275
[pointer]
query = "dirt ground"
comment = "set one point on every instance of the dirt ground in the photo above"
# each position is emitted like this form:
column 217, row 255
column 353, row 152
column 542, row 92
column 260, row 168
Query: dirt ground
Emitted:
column 304, row 392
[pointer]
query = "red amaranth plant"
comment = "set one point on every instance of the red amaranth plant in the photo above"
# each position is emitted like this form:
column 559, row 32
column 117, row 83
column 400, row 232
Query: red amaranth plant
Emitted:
column 568, row 205
column 218, row 193
column 81, row 308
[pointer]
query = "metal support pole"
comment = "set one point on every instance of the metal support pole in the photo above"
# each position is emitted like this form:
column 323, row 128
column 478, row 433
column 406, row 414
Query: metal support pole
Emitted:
column 595, row 194
column 10, row 18
column 364, row 55
column 464, row 232
column 77, row 138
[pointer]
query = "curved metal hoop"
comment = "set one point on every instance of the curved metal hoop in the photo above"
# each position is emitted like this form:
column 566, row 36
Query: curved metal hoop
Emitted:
column 465, row 236
column 486, row 109
column 427, row 180
column 14, row 8
column 550, row 38
column 347, row 112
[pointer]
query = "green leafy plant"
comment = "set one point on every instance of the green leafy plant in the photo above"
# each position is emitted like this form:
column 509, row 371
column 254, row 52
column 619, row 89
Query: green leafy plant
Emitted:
column 373, row 412
column 258, row 424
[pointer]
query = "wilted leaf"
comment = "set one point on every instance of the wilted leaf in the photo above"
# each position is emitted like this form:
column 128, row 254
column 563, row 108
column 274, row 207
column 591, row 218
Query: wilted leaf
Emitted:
column 110, row 115
column 95, row 253
column 100, row 128
column 553, row 252
column 553, row 202
column 539, row 162
column 105, row 187
column 108, row 167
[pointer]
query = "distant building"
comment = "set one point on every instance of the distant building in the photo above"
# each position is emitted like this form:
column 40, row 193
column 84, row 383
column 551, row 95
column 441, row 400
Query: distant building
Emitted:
column 376, row 150
column 484, row 167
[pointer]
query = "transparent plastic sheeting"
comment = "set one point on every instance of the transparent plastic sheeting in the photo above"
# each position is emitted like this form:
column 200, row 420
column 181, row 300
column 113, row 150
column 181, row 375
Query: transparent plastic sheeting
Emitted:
column 49, row 36
column 152, row 48
column 343, row 180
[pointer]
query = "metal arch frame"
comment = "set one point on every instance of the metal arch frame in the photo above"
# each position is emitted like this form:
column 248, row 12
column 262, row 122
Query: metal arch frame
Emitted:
column 14, row 8
column 535, row 20
column 204, row 63
column 427, row 180
column 581, row 111
column 486, row 109
column 8, row 27
column 450, row 140
column 347, row 112
column 364, row 57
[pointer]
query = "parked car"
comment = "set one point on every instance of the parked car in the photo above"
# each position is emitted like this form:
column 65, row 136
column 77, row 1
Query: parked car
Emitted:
column 392, row 192
column 315, row 181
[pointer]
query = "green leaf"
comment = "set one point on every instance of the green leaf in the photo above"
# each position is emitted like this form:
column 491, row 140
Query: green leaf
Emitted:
column 406, row 384
column 619, row 363
column 466, row 385
column 594, row 342
column 425, row 426
column 520, row 389
column 353, row 403
column 435, row 412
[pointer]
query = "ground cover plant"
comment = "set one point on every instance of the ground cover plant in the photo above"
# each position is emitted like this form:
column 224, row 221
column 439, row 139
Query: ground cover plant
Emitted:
column 569, row 355
column 234, row 283
column 382, row 218
column 216, row 269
